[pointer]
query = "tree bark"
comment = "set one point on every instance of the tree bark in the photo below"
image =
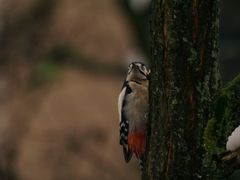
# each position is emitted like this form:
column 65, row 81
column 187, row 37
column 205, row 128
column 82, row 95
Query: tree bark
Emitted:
column 184, row 81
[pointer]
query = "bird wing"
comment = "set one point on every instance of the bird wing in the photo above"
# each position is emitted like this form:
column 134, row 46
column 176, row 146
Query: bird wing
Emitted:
column 124, row 123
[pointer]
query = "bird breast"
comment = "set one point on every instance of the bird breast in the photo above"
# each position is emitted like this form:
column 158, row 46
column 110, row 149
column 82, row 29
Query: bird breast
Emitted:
column 136, row 109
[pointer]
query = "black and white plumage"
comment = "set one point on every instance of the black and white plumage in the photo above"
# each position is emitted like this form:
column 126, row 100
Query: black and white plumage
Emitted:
column 133, row 110
column 124, row 123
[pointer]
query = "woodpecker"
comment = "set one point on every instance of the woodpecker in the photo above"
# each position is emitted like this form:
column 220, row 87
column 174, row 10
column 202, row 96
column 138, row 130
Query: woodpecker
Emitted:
column 133, row 107
column 229, row 161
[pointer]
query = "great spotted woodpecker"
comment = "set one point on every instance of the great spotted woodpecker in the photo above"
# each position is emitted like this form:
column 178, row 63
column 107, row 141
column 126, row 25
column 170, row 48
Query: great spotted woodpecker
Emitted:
column 133, row 107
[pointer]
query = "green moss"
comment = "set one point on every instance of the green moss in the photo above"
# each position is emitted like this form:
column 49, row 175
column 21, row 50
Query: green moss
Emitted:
column 209, row 138
column 219, row 127
column 227, row 108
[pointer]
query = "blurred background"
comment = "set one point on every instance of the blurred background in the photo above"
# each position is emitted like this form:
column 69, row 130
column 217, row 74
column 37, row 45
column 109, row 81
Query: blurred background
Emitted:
column 62, row 64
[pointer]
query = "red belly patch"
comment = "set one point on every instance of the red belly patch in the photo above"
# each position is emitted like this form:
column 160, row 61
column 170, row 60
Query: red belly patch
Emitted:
column 136, row 142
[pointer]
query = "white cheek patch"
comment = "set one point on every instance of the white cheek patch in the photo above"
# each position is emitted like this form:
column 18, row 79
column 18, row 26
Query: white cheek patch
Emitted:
column 130, row 68
column 234, row 140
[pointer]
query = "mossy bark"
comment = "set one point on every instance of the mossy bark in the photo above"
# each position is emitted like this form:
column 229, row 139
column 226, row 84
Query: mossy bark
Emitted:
column 226, row 118
column 184, row 81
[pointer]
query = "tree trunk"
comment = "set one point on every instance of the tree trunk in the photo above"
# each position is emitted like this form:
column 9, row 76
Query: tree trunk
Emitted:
column 184, row 81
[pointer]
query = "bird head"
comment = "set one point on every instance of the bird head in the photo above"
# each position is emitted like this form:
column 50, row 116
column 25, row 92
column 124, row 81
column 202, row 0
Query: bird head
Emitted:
column 137, row 71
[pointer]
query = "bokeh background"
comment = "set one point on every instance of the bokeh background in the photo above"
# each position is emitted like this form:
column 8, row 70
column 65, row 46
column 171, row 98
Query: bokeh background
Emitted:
column 62, row 64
